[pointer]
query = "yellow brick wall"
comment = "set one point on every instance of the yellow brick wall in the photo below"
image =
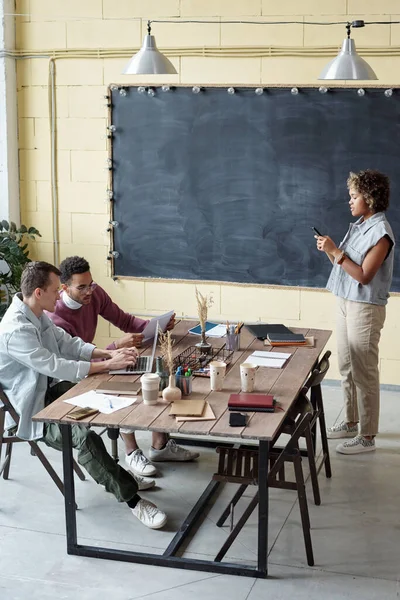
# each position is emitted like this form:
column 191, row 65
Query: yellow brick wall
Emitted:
column 81, row 119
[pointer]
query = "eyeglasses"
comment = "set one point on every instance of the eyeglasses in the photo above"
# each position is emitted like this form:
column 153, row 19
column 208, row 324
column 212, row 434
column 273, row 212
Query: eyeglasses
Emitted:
column 85, row 288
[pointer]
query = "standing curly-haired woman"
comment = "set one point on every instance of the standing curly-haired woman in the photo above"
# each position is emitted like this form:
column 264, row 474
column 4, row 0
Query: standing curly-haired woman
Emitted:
column 361, row 277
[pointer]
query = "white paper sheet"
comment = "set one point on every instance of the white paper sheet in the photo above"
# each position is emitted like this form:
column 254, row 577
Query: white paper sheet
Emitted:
column 105, row 403
column 218, row 331
column 162, row 320
column 264, row 354
column 275, row 363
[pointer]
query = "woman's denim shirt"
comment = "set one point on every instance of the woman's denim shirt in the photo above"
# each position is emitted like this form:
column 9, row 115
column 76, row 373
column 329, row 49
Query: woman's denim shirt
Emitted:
column 360, row 238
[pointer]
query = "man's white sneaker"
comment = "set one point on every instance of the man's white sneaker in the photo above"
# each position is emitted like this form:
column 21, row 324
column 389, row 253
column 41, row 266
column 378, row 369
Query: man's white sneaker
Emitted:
column 173, row 452
column 149, row 514
column 143, row 483
column 139, row 464
column 356, row 446
column 341, row 430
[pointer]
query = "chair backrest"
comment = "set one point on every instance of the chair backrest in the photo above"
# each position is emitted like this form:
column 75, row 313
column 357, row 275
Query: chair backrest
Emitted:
column 318, row 373
column 292, row 447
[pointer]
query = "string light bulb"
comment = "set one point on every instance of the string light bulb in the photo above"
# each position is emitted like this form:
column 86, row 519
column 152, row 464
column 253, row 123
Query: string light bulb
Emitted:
column 231, row 90
column 388, row 93
column 259, row 91
column 361, row 92
column 294, row 91
column 195, row 89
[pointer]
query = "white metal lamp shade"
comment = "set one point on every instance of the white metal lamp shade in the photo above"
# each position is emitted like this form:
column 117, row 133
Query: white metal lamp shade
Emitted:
column 347, row 65
column 149, row 60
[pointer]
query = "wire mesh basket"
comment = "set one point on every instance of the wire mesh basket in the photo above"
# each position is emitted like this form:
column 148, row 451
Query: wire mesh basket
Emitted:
column 197, row 362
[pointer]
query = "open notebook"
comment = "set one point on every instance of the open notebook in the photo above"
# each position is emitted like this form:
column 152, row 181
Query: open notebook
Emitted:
column 144, row 364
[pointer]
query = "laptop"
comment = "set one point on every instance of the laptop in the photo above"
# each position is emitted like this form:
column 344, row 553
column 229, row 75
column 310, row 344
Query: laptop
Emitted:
column 144, row 364
column 262, row 330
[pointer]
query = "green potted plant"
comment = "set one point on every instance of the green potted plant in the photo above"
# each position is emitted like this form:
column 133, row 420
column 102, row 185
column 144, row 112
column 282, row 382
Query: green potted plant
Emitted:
column 14, row 255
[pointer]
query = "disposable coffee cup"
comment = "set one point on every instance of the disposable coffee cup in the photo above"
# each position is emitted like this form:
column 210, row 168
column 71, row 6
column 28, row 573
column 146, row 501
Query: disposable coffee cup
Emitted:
column 247, row 377
column 217, row 375
column 150, row 385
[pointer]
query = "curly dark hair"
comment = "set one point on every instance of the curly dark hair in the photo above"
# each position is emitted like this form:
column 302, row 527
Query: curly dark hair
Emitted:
column 73, row 265
column 36, row 274
column 373, row 186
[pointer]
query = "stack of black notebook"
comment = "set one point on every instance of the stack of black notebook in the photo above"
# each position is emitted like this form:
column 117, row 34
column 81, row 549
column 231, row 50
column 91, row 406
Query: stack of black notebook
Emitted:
column 286, row 339
column 262, row 330
column 277, row 334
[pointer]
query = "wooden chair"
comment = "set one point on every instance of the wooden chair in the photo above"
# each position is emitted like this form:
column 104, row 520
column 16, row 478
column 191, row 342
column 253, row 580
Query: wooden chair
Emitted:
column 314, row 385
column 316, row 407
column 9, row 440
column 241, row 466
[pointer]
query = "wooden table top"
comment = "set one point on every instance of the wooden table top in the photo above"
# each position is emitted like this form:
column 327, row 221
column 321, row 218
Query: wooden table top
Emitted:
column 284, row 384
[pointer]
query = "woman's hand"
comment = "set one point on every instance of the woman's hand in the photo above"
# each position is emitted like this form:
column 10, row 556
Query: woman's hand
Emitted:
column 326, row 244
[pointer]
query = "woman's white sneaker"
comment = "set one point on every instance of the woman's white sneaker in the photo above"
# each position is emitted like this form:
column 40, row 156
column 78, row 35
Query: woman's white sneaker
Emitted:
column 149, row 514
column 356, row 446
column 139, row 464
column 342, row 430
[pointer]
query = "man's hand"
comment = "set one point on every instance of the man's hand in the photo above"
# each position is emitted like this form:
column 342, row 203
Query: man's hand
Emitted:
column 121, row 358
column 171, row 323
column 115, row 359
column 129, row 341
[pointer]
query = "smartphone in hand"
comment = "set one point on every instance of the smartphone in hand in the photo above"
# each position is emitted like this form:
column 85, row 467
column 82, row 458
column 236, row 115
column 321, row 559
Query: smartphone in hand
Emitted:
column 316, row 231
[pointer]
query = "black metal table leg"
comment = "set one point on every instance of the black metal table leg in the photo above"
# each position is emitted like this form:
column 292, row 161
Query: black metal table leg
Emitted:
column 168, row 559
column 263, row 507
column 69, row 490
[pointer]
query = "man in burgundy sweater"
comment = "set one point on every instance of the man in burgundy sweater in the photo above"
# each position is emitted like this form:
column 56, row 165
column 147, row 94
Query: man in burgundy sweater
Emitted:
column 77, row 312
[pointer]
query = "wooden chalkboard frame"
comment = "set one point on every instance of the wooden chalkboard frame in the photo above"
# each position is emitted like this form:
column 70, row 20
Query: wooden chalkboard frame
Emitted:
column 239, row 89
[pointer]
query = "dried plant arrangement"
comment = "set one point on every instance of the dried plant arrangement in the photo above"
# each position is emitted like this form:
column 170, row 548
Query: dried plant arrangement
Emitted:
column 166, row 344
column 203, row 304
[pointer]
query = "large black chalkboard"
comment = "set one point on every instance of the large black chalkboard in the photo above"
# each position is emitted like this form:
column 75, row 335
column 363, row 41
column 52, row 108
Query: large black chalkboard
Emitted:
column 223, row 187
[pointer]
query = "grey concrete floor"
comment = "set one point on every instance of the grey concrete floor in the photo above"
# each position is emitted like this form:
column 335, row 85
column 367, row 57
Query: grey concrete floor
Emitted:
column 355, row 532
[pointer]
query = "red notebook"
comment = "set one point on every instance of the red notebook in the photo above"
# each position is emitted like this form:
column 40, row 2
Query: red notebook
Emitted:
column 251, row 402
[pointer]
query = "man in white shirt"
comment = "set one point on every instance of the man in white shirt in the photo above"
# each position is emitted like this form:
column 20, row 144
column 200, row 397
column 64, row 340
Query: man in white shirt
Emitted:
column 34, row 353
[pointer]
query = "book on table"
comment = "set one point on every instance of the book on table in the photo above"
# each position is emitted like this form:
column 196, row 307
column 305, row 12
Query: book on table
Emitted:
column 131, row 388
column 188, row 408
column 261, row 330
column 286, row 339
column 251, row 402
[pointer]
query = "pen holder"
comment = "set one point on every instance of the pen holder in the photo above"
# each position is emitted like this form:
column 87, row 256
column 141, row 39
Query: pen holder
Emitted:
column 184, row 384
column 232, row 341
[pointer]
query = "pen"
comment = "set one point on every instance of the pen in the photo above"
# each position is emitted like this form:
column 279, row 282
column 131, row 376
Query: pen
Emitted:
column 110, row 403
